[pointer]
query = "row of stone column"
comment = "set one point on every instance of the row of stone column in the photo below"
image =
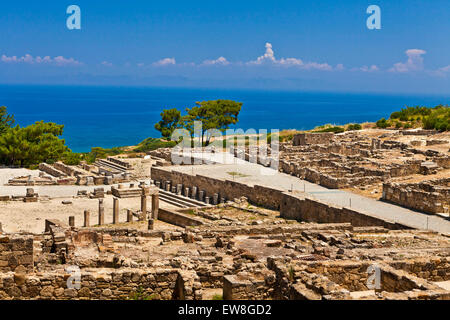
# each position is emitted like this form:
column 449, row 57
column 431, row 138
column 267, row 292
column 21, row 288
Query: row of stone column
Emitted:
column 192, row 193
column 101, row 211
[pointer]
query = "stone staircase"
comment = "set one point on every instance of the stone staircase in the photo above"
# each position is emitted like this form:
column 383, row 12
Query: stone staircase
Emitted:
column 109, row 166
column 179, row 200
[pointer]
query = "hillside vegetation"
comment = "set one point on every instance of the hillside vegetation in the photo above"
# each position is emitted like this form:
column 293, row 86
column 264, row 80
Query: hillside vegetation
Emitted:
column 437, row 118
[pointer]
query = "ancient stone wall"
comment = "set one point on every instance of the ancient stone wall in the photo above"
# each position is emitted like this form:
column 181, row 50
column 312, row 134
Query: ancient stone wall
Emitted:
column 336, row 279
column 177, row 218
column 436, row 269
column 302, row 139
column 108, row 285
column 312, row 210
column 225, row 188
column 236, row 288
column 290, row 205
column 16, row 253
column 428, row 196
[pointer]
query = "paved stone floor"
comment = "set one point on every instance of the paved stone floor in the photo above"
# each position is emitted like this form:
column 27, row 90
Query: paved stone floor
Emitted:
column 231, row 168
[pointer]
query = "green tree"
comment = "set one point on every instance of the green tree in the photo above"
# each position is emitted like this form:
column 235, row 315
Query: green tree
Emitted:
column 6, row 120
column 214, row 114
column 170, row 120
column 33, row 144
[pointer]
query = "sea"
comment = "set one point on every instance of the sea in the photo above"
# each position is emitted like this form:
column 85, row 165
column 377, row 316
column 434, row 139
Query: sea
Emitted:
column 96, row 116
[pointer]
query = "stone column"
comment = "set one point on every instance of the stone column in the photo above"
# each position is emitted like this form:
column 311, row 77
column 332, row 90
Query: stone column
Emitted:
column 101, row 212
column 129, row 215
column 115, row 211
column 143, row 207
column 201, row 194
column 215, row 198
column 87, row 218
column 186, row 192
column 155, row 206
column 194, row 193
column 167, row 185
column 207, row 200
column 72, row 221
column 179, row 189
column 151, row 223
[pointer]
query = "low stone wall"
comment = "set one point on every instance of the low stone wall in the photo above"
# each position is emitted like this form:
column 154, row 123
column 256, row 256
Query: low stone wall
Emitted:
column 437, row 269
column 336, row 279
column 235, row 288
column 427, row 196
column 108, row 285
column 312, row 210
column 16, row 253
column 178, row 219
column 302, row 139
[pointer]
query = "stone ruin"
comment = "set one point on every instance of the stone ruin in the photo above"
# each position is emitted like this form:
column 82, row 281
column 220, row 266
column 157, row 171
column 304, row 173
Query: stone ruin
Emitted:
column 355, row 161
column 209, row 242
column 238, row 251
column 103, row 171
column 432, row 196
column 303, row 139
column 30, row 196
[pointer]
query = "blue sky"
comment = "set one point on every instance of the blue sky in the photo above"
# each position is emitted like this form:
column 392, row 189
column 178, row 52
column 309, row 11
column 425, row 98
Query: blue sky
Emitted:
column 296, row 45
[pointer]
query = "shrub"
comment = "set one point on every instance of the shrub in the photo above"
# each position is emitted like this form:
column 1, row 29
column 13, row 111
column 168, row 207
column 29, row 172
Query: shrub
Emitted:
column 150, row 144
column 139, row 294
column 439, row 119
column 407, row 126
column 382, row 123
column 332, row 129
column 355, row 126
column 71, row 158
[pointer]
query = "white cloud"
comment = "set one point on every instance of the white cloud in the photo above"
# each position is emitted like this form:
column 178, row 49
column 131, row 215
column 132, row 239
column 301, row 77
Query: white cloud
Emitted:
column 165, row 62
column 219, row 61
column 414, row 62
column 340, row 67
column 372, row 68
column 445, row 69
column 268, row 55
column 58, row 61
column 106, row 64
column 318, row 66
column 269, row 58
column 290, row 62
